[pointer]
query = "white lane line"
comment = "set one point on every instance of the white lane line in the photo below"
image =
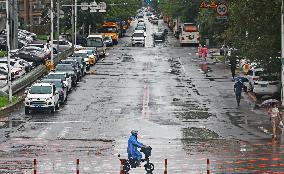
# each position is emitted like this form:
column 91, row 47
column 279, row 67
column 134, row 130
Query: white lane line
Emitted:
column 64, row 132
column 44, row 132
column 59, row 122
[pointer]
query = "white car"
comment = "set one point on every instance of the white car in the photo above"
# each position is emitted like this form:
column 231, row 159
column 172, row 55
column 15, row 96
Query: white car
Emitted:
column 252, row 76
column 62, row 76
column 138, row 38
column 17, row 72
column 267, row 85
column 42, row 96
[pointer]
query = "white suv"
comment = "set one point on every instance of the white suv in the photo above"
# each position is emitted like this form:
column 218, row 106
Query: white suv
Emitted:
column 42, row 96
column 138, row 38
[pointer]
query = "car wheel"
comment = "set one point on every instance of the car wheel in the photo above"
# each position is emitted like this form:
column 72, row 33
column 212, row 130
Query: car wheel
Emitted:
column 52, row 109
column 250, row 87
column 57, row 106
column 27, row 111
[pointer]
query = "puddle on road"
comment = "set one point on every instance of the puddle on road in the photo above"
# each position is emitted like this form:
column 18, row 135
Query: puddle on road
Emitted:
column 127, row 58
column 198, row 133
column 193, row 115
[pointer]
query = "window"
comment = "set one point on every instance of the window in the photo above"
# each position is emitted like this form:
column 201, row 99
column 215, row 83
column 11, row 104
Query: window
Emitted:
column 94, row 42
column 41, row 90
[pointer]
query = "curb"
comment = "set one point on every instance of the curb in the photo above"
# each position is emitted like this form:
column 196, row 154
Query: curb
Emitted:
column 11, row 107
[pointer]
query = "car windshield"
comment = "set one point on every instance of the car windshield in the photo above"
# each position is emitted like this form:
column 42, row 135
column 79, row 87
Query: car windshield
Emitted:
column 94, row 42
column 109, row 30
column 138, row 35
column 81, row 54
column 64, row 67
column 56, row 76
column 41, row 90
column 57, row 83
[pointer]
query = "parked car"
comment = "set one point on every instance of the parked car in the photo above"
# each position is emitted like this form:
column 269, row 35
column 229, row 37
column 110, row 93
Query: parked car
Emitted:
column 252, row 76
column 42, row 96
column 17, row 72
column 63, row 45
column 140, row 27
column 62, row 76
column 30, row 57
column 267, row 85
column 70, row 70
column 108, row 41
column 75, row 65
column 60, row 87
column 82, row 64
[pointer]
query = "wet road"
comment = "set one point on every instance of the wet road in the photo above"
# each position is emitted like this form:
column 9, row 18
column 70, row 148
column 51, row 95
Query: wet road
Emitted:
column 183, row 114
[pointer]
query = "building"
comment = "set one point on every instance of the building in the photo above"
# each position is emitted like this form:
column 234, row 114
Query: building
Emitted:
column 30, row 11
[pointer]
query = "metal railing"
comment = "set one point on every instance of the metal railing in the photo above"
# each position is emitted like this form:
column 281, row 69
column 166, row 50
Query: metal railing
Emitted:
column 33, row 75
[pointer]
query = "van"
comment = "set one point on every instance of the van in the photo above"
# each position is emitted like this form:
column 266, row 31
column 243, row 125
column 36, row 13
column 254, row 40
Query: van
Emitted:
column 97, row 41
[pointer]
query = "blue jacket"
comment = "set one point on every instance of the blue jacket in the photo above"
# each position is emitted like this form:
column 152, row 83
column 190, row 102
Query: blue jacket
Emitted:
column 133, row 144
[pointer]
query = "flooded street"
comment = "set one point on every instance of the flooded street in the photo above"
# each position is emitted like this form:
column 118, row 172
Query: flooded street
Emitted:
column 186, row 116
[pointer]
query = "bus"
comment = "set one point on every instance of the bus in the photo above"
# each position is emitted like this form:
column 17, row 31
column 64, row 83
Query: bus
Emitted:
column 189, row 35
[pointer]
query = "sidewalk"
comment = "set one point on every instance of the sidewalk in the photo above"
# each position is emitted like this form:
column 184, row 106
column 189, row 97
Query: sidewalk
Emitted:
column 257, row 118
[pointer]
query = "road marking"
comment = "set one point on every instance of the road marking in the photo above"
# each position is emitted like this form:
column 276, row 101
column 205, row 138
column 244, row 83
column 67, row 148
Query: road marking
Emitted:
column 146, row 96
column 59, row 122
column 43, row 133
column 64, row 132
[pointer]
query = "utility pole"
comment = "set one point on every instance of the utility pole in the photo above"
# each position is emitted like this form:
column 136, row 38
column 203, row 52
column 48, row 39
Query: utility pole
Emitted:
column 75, row 39
column 8, row 51
column 72, row 21
column 58, row 20
column 51, row 34
column 282, row 52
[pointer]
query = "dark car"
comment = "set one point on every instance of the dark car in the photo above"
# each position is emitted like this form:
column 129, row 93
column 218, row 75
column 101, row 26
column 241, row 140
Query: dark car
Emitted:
column 82, row 64
column 70, row 70
column 30, row 57
column 76, row 66
column 159, row 37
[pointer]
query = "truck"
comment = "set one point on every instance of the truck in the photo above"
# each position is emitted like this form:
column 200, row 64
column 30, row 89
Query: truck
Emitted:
column 189, row 34
column 111, row 29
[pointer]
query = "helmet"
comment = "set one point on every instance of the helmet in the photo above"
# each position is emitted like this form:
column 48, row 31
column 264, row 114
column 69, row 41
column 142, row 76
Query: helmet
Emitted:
column 134, row 132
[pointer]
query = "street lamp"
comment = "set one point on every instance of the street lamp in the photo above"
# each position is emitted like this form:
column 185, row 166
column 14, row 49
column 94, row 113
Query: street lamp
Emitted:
column 94, row 7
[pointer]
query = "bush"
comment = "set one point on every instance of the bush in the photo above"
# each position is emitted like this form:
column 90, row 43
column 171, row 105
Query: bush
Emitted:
column 3, row 53
column 4, row 101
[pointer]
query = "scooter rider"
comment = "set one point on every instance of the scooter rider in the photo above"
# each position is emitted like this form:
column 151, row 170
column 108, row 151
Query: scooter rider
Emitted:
column 133, row 144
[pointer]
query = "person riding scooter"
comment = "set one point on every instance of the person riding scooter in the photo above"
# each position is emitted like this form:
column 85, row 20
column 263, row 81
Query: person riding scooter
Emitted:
column 133, row 144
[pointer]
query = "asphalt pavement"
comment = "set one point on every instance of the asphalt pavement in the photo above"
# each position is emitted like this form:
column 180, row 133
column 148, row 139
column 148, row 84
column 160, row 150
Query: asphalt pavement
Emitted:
column 187, row 117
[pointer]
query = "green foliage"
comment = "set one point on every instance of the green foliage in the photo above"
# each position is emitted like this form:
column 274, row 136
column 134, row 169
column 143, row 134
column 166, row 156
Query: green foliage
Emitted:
column 4, row 101
column 3, row 53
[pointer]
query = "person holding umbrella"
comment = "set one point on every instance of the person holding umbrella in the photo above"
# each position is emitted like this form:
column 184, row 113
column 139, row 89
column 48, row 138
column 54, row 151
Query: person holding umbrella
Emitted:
column 273, row 112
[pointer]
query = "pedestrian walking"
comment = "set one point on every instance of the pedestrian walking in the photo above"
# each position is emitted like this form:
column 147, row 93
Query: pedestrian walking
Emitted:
column 233, row 67
column 273, row 113
column 199, row 51
column 204, row 52
column 238, row 88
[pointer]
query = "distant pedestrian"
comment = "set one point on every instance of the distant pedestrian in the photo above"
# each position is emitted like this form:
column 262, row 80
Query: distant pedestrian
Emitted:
column 199, row 51
column 273, row 113
column 204, row 52
column 233, row 67
column 238, row 88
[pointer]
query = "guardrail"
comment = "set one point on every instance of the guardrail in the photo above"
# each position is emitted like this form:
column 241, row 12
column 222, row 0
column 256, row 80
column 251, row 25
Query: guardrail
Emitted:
column 32, row 76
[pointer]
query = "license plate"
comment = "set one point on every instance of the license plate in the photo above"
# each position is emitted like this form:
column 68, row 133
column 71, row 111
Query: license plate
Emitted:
column 38, row 106
column 263, row 85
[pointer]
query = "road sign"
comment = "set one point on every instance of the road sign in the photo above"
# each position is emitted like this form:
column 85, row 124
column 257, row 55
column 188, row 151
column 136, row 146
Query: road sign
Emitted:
column 102, row 6
column 222, row 10
column 84, row 6
column 94, row 6
column 61, row 14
